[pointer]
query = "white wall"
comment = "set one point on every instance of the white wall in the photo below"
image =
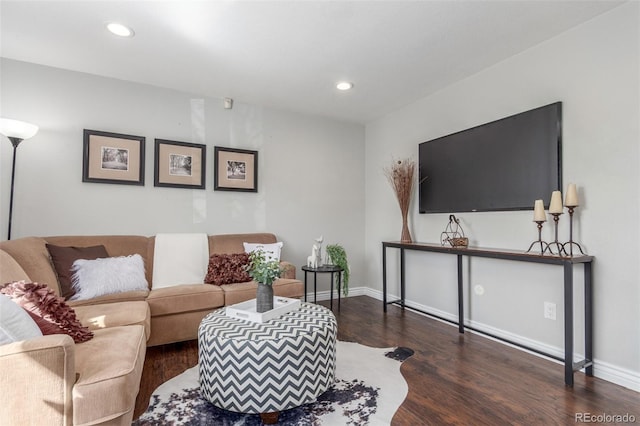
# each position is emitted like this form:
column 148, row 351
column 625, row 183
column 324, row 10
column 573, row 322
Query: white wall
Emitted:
column 313, row 179
column 311, row 170
column 593, row 69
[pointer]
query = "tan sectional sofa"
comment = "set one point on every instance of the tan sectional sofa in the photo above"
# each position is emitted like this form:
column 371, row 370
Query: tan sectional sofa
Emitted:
column 54, row 381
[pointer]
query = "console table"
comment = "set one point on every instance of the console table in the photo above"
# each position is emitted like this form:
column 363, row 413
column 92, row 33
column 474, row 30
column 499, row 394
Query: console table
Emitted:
column 566, row 262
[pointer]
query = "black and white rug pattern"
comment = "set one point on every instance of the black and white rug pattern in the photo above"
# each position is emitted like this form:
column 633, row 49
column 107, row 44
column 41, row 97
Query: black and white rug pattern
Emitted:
column 368, row 390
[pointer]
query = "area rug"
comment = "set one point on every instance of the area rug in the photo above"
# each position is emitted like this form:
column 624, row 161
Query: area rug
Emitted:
column 368, row 390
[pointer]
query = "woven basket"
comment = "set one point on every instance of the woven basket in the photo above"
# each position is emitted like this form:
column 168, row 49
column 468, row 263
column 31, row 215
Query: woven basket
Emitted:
column 459, row 242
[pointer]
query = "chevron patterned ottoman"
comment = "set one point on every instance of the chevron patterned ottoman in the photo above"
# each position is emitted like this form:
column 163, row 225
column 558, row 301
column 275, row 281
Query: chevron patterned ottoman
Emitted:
column 264, row 368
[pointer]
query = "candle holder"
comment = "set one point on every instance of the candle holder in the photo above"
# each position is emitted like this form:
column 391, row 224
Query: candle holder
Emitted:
column 559, row 246
column 571, row 243
column 544, row 246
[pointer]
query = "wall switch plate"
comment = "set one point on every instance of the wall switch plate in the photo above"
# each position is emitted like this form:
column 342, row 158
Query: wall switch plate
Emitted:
column 550, row 310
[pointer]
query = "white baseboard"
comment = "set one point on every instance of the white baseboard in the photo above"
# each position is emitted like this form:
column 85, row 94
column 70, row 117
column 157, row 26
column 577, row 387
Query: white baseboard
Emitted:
column 603, row 370
column 326, row 295
column 614, row 374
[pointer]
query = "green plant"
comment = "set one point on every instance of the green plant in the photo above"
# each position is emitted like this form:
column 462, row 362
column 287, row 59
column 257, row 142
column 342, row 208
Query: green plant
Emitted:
column 262, row 270
column 338, row 257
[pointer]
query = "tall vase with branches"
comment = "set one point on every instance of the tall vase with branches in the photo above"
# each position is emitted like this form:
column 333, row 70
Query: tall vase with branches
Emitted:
column 401, row 176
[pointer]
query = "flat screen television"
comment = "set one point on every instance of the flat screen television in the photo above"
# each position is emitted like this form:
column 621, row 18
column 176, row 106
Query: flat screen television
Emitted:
column 503, row 165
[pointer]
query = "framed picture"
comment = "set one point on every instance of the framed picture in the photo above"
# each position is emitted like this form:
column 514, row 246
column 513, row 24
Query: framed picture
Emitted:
column 113, row 158
column 179, row 164
column 235, row 170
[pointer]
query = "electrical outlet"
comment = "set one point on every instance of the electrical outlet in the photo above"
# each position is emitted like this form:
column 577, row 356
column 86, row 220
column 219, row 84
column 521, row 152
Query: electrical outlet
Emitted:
column 479, row 290
column 550, row 310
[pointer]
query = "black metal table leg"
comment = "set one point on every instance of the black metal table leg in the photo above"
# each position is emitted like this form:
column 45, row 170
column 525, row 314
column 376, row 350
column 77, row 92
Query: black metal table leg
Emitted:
column 331, row 295
column 339, row 284
column 460, row 297
column 588, row 319
column 402, row 276
column 305, row 286
column 568, row 324
column 384, row 278
column 315, row 287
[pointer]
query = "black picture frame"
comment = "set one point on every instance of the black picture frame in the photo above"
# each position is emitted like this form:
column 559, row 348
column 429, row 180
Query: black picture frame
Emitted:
column 179, row 164
column 113, row 158
column 235, row 169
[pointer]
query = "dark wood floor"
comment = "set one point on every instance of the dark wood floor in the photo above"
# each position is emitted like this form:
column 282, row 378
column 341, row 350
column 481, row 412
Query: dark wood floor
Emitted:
column 453, row 379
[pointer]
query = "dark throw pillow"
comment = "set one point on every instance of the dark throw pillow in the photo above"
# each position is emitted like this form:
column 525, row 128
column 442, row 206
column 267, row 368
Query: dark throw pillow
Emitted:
column 50, row 312
column 63, row 258
column 227, row 269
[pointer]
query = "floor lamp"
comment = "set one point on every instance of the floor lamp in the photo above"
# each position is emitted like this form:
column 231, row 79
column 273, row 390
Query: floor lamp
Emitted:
column 16, row 131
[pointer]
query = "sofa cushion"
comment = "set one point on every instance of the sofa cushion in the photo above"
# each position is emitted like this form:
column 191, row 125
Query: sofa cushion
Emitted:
column 236, row 293
column 95, row 278
column 49, row 311
column 116, row 314
column 288, row 270
column 32, row 255
column 109, row 369
column 233, row 243
column 184, row 298
column 227, row 269
column 178, row 327
column 15, row 323
column 116, row 245
column 10, row 270
column 63, row 259
column 128, row 296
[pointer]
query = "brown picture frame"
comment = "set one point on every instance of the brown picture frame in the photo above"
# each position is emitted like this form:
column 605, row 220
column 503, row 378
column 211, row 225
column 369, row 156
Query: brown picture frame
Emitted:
column 179, row 164
column 113, row 158
column 235, row 170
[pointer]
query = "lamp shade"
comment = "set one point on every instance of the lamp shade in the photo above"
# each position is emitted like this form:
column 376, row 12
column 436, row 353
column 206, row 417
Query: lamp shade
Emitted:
column 17, row 129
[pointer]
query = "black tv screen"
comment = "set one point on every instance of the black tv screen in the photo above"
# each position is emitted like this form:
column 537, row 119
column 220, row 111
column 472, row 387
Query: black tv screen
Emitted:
column 503, row 165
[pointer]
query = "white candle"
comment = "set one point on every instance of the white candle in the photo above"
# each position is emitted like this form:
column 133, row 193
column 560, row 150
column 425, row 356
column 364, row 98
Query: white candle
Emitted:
column 555, row 206
column 571, row 197
column 538, row 212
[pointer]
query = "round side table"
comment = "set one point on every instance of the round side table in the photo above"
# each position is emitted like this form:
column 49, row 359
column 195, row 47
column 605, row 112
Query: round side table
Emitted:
column 264, row 368
column 330, row 269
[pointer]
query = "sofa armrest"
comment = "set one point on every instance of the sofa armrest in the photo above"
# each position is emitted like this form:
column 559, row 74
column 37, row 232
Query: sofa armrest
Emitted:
column 38, row 377
column 288, row 270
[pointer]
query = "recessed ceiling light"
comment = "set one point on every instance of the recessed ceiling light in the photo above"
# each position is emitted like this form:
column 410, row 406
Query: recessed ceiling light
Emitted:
column 344, row 85
column 120, row 30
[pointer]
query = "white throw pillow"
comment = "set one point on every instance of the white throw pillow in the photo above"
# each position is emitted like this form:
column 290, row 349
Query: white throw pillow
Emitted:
column 180, row 259
column 271, row 251
column 93, row 278
column 15, row 323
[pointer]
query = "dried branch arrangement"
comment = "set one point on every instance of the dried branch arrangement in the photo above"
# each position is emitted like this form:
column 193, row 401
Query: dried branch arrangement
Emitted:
column 401, row 176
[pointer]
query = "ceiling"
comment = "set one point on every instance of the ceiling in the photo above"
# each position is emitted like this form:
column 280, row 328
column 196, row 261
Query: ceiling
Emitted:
column 288, row 54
